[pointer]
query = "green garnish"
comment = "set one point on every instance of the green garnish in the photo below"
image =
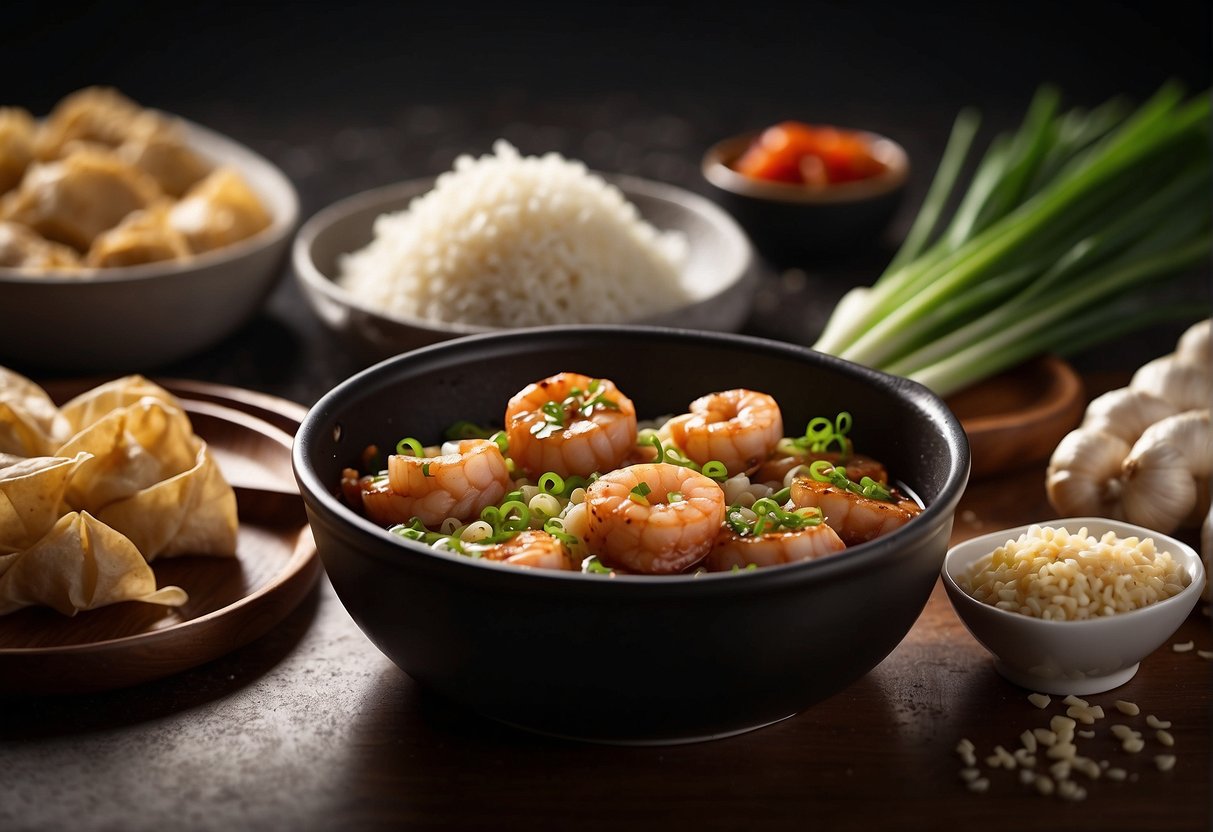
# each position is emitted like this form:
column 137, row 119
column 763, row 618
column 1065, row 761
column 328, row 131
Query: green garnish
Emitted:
column 555, row 527
column 782, row 495
column 551, row 483
column 749, row 567
column 823, row 471
column 580, row 402
column 408, row 446
column 595, row 566
column 425, row 469
column 712, row 468
column 715, row 469
column 502, row 441
column 674, row 497
column 820, row 434
column 640, row 494
column 770, row 518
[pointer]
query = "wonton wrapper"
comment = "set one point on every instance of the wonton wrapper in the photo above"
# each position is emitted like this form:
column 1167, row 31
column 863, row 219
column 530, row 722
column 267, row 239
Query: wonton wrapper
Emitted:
column 142, row 237
column 31, row 498
column 94, row 114
column 132, row 448
column 218, row 211
column 74, row 199
column 152, row 479
column 30, row 424
column 80, row 564
column 165, row 157
column 23, row 248
column 17, row 131
column 92, row 405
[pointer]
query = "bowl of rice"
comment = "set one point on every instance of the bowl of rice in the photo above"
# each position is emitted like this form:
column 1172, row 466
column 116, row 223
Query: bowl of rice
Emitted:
column 1072, row 606
column 507, row 241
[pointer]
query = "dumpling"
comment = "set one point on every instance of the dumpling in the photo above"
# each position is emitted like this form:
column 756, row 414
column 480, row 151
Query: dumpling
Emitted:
column 91, row 405
column 23, row 248
column 142, row 237
column 218, row 211
column 17, row 132
column 151, row 478
column 164, row 155
column 30, row 424
column 93, row 114
column 80, row 564
column 31, row 498
column 74, row 199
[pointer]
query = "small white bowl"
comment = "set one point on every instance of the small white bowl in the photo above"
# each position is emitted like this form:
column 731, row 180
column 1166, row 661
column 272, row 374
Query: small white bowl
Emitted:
column 137, row 317
column 719, row 273
column 1078, row 657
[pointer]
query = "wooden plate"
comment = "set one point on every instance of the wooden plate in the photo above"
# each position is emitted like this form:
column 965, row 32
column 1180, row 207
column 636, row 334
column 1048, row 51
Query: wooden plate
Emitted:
column 1017, row 418
column 232, row 600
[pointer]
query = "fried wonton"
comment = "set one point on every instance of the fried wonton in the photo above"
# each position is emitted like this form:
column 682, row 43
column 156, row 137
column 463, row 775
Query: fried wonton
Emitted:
column 92, row 405
column 30, row 424
column 23, row 248
column 74, row 199
column 31, row 498
column 219, row 210
column 80, row 564
column 164, row 155
column 152, row 479
column 94, row 114
column 142, row 237
column 17, row 131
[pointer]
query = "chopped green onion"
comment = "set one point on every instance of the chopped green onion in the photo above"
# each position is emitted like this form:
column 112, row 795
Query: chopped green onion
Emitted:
column 674, row 497
column 821, row 433
column 551, row 483
column 555, row 527
column 822, row 471
column 640, row 494
column 749, row 567
column 595, row 566
column 502, row 439
column 522, row 517
column 782, row 495
column 409, row 446
column 425, row 469
column 715, row 469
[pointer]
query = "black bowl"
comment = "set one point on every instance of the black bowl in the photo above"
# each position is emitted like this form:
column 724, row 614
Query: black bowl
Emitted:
column 792, row 224
column 630, row 658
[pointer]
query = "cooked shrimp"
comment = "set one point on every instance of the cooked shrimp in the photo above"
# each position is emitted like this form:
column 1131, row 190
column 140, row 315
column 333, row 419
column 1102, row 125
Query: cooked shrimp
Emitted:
column 856, row 518
column 530, row 548
column 653, row 518
column 857, row 466
column 737, row 427
column 571, row 424
column 434, row 488
column 787, row 546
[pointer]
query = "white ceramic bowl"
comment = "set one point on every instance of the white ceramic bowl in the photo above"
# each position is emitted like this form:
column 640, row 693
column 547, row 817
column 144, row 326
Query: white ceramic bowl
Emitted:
column 1078, row 657
column 137, row 317
column 719, row 274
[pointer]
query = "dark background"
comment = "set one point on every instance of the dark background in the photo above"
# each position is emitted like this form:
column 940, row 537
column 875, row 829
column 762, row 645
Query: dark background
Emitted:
column 346, row 96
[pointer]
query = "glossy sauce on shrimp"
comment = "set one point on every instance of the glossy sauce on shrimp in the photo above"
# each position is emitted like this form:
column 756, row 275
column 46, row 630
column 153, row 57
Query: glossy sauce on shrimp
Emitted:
column 740, row 428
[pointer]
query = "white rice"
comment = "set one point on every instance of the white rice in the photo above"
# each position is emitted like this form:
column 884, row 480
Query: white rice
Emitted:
column 506, row 240
column 1052, row 574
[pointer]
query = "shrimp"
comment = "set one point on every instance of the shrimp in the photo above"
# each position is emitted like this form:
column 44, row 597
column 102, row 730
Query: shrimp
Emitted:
column 788, row 546
column 571, row 424
column 856, row 518
column 434, row 488
column 857, row 466
column 530, row 548
column 737, row 427
column 653, row 518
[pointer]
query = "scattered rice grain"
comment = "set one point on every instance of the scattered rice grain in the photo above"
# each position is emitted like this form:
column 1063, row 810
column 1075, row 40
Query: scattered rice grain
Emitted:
column 1165, row 737
column 1040, row 700
column 1129, row 708
column 1184, row 647
column 1165, row 762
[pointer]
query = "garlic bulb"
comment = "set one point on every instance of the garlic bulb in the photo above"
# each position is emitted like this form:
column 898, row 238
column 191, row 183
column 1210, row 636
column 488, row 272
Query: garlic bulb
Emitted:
column 1186, row 384
column 1126, row 413
column 1083, row 477
column 1157, row 488
column 1206, row 553
column 1196, row 345
column 1191, row 434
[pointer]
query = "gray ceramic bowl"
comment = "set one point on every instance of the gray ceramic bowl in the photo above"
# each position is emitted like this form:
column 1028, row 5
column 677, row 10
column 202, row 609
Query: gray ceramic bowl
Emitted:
column 633, row 658
column 789, row 223
column 720, row 272
column 137, row 317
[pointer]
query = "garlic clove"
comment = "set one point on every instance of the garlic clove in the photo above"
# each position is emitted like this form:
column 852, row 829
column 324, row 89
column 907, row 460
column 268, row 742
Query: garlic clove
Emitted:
column 1126, row 413
column 1083, row 478
column 1196, row 344
column 1157, row 488
column 1186, row 384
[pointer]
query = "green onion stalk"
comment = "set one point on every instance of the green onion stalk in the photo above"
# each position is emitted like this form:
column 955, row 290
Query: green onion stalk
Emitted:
column 1064, row 225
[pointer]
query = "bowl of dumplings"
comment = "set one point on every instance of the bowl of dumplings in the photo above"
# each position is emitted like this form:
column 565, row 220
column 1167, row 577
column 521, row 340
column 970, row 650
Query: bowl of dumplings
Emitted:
column 130, row 238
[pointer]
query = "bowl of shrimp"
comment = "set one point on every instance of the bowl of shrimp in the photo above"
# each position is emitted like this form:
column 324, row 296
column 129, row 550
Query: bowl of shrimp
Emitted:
column 631, row 534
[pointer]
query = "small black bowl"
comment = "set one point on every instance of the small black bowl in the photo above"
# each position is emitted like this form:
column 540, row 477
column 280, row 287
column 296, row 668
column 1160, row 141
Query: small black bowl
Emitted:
column 789, row 223
column 630, row 659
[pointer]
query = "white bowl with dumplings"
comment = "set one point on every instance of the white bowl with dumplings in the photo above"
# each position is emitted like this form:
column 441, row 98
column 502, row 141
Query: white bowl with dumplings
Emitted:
column 1071, row 656
column 62, row 310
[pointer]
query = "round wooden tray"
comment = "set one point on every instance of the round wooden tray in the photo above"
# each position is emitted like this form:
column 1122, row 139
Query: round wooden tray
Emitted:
column 1016, row 419
column 231, row 600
